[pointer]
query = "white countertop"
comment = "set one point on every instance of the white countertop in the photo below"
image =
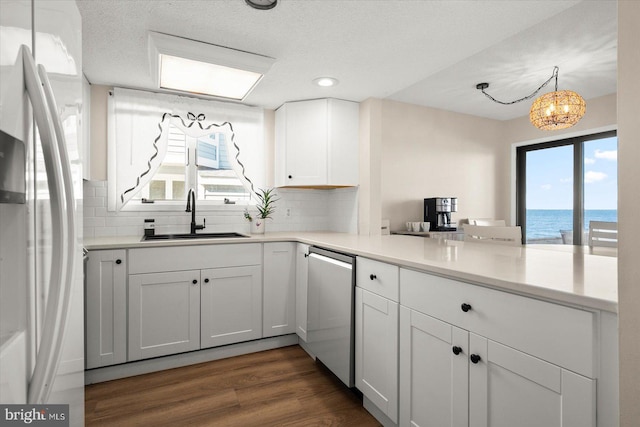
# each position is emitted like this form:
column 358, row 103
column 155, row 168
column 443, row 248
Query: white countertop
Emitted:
column 564, row 274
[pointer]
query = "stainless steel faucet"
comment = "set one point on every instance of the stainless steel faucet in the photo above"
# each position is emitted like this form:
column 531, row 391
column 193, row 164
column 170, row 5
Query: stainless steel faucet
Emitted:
column 191, row 207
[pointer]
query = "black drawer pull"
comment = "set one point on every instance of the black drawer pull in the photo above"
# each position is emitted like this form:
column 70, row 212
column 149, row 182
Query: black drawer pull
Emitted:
column 290, row 176
column 118, row 261
column 206, row 280
column 373, row 277
column 456, row 350
column 475, row 358
column 465, row 307
column 194, row 281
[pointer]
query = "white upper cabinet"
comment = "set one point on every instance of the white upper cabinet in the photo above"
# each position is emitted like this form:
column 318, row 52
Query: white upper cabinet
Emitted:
column 317, row 143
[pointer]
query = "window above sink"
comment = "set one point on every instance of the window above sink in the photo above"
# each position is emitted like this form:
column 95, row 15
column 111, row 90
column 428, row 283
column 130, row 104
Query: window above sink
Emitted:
column 162, row 145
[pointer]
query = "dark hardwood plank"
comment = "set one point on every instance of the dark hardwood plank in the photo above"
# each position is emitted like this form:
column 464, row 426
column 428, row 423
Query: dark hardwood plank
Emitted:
column 281, row 387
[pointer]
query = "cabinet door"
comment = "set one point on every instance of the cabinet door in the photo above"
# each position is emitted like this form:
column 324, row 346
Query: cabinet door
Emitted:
column 302, row 280
column 231, row 305
column 509, row 388
column 279, row 291
column 305, row 139
column 164, row 313
column 377, row 351
column 433, row 379
column 106, row 308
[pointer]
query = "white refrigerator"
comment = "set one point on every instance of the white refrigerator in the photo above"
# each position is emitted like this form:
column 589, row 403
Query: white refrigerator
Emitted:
column 41, row 270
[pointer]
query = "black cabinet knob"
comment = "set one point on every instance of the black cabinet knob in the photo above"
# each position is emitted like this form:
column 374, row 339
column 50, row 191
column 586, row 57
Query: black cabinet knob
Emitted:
column 290, row 176
column 475, row 358
column 194, row 281
column 465, row 307
column 118, row 261
column 206, row 280
column 373, row 277
column 306, row 255
column 456, row 350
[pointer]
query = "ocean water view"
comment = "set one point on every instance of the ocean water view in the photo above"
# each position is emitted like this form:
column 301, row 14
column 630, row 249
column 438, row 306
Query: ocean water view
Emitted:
column 547, row 223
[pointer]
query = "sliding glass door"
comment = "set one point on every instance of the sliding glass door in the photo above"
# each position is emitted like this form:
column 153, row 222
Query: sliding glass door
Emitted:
column 600, row 181
column 562, row 185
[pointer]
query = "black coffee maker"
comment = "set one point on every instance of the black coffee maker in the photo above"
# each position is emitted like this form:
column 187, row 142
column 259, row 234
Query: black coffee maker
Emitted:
column 437, row 211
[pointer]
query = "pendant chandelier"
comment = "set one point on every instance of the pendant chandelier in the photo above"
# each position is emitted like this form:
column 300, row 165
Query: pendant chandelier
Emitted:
column 552, row 111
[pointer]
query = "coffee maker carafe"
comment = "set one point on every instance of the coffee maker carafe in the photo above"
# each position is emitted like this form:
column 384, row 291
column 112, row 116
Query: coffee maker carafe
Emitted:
column 437, row 211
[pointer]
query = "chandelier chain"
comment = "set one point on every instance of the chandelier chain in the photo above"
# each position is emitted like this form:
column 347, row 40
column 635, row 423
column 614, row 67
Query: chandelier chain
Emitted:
column 554, row 75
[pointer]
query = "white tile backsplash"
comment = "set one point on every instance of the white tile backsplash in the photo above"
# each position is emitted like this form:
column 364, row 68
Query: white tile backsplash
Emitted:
column 310, row 210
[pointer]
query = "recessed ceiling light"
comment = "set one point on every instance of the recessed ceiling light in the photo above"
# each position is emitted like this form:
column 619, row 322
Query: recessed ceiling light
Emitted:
column 326, row 81
column 191, row 66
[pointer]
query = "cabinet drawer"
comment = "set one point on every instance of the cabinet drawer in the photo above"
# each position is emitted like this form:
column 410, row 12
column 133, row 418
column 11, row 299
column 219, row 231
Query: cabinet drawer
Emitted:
column 558, row 334
column 378, row 277
column 153, row 260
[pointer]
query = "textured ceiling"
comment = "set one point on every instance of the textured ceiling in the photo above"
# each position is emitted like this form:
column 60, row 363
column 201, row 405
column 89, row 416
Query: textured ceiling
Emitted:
column 429, row 53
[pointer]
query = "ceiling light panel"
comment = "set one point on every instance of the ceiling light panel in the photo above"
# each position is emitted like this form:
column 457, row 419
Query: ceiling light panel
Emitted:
column 191, row 66
column 205, row 78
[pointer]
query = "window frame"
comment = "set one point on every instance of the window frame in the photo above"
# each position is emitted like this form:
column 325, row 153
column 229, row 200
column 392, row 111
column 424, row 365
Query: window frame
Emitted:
column 578, row 179
column 191, row 181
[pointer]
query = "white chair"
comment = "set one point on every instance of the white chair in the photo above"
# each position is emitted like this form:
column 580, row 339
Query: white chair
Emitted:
column 602, row 233
column 488, row 222
column 511, row 236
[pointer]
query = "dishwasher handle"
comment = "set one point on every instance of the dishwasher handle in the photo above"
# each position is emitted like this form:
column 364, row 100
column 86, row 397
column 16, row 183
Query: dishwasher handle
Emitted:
column 346, row 258
column 330, row 260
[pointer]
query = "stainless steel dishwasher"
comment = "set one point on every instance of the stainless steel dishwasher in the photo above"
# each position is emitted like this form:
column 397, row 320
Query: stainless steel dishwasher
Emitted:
column 330, row 311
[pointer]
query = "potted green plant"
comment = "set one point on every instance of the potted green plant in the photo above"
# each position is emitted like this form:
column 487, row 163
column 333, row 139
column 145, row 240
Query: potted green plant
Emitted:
column 266, row 207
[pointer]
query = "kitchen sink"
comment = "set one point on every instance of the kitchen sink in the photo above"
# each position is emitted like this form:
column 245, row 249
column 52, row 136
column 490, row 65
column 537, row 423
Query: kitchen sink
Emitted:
column 226, row 235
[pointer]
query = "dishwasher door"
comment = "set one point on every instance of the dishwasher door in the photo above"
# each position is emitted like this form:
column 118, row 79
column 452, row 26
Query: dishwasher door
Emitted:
column 330, row 312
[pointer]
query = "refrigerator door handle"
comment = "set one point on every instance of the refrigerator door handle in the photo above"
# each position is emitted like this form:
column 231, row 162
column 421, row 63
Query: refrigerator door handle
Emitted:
column 68, row 257
column 49, row 350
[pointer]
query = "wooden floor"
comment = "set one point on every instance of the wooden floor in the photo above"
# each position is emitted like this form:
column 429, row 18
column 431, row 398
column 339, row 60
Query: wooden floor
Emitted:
column 281, row 387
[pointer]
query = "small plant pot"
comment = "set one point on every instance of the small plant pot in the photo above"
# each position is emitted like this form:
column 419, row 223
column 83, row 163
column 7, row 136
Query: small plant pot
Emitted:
column 257, row 226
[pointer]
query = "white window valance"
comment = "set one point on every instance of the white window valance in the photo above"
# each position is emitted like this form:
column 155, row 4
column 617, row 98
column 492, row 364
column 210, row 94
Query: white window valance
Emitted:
column 138, row 123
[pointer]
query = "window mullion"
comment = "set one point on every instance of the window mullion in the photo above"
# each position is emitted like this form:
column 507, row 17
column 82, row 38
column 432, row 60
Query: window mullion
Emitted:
column 578, row 192
column 192, row 169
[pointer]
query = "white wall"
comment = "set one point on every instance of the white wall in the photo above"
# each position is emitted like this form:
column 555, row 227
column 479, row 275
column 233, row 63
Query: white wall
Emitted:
column 628, row 208
column 369, row 159
column 409, row 152
column 426, row 152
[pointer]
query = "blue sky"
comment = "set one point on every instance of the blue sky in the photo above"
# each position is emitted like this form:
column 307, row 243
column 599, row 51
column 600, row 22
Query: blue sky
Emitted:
column 550, row 176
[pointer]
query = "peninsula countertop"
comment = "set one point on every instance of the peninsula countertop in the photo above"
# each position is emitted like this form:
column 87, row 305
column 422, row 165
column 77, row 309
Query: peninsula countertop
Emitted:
column 563, row 275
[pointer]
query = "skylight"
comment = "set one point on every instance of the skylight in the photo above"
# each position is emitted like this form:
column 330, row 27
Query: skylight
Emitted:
column 202, row 77
column 185, row 65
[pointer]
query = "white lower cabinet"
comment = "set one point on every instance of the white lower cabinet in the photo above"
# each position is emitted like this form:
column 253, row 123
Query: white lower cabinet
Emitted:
column 230, row 305
column 106, row 308
column 302, row 282
column 376, row 349
column 279, row 301
column 434, row 380
column 458, row 373
column 191, row 297
column 164, row 313
column 511, row 388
